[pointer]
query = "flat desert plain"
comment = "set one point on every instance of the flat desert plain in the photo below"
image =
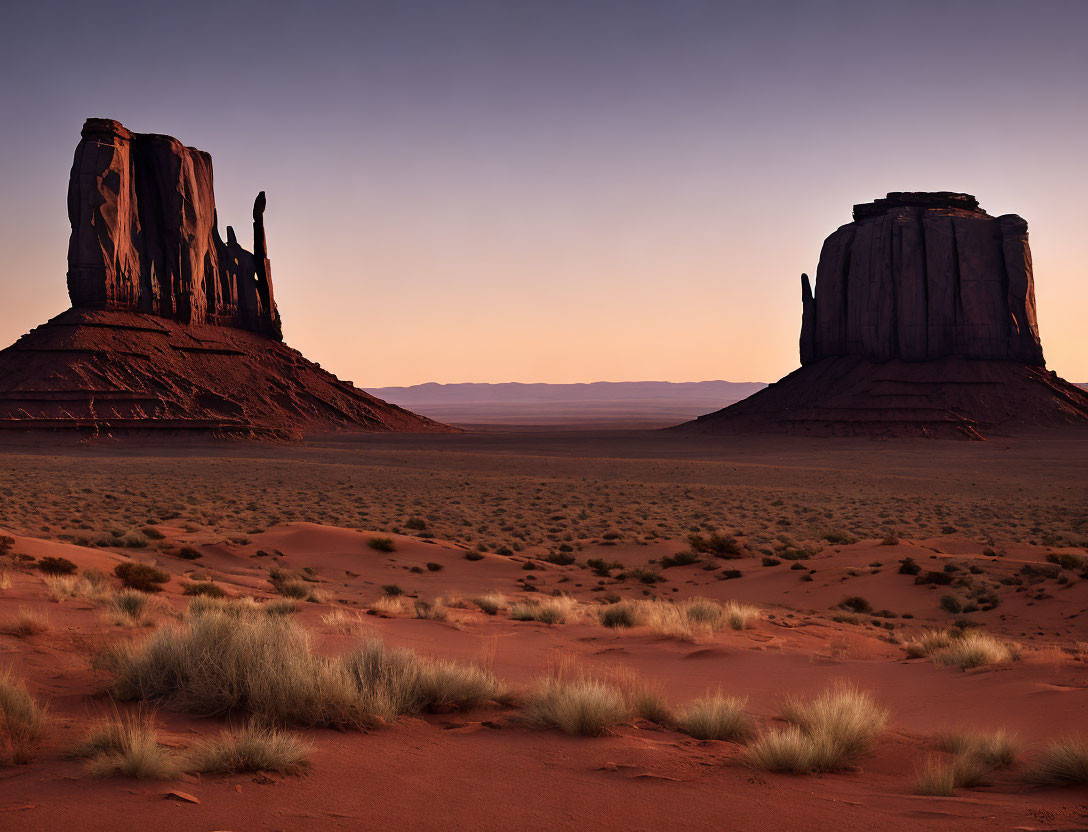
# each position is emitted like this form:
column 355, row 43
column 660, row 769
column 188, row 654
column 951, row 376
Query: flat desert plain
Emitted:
column 627, row 630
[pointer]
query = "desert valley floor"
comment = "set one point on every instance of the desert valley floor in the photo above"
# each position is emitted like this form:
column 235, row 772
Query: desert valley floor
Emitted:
column 377, row 529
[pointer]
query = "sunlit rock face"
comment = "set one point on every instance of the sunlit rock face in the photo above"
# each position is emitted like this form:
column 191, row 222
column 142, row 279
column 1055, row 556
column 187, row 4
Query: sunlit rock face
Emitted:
column 145, row 237
column 921, row 276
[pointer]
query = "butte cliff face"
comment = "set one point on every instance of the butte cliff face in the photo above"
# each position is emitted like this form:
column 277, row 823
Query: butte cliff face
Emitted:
column 145, row 236
column 171, row 328
column 922, row 322
column 921, row 276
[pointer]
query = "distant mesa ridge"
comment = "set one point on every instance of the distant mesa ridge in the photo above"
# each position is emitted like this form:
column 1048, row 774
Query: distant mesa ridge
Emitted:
column 171, row 328
column 922, row 322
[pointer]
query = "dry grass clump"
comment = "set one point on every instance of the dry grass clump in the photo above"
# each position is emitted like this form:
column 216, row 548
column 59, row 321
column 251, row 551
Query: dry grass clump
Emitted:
column 644, row 700
column 716, row 717
column 253, row 748
column 741, row 616
column 27, row 621
column 998, row 749
column 828, row 732
column 63, row 587
column 962, row 648
column 557, row 610
column 580, row 706
column 221, row 661
column 390, row 605
column 342, row 621
column 430, row 610
column 1062, row 763
column 393, row 681
column 930, row 641
column 976, row 648
column 940, row 778
column 621, row 615
column 490, row 603
column 22, row 721
column 132, row 607
column 684, row 620
column 127, row 746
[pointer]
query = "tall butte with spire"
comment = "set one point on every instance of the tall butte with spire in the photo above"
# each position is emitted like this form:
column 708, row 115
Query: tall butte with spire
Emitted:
column 922, row 322
column 171, row 328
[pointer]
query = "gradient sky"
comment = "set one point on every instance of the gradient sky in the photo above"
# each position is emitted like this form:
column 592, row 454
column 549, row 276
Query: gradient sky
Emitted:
column 545, row 190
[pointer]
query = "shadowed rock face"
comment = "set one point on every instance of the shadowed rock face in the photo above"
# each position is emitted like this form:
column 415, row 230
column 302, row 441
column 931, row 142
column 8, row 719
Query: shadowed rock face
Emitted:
column 922, row 276
column 145, row 238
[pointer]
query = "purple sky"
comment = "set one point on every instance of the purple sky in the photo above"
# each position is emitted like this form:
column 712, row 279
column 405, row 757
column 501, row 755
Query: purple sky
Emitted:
column 541, row 190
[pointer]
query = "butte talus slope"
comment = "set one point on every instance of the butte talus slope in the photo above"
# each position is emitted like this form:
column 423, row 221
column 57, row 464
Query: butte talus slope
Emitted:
column 922, row 323
column 171, row 328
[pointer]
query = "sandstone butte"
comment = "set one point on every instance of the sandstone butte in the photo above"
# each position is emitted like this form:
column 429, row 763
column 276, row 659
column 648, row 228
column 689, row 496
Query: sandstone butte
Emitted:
column 171, row 328
column 922, row 323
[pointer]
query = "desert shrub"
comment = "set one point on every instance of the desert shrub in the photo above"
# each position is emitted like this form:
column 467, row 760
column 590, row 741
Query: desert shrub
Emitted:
column 837, row 538
column 559, row 558
column 1063, row 762
column 188, row 553
column 141, row 576
column 855, row 603
column 132, row 540
column 209, row 589
column 891, row 538
column 382, row 544
column 490, row 603
column 719, row 545
column 1068, row 560
column 392, row 590
column 151, row 533
column 908, row 566
column 435, row 567
column 473, row 556
column 716, row 717
column 935, row 578
column 22, row 721
column 828, row 732
column 253, row 748
column 602, row 567
column 686, row 558
column 27, row 621
column 644, row 574
column 127, row 746
column 951, row 604
column 579, row 706
column 729, row 574
column 56, row 566
column 415, row 523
